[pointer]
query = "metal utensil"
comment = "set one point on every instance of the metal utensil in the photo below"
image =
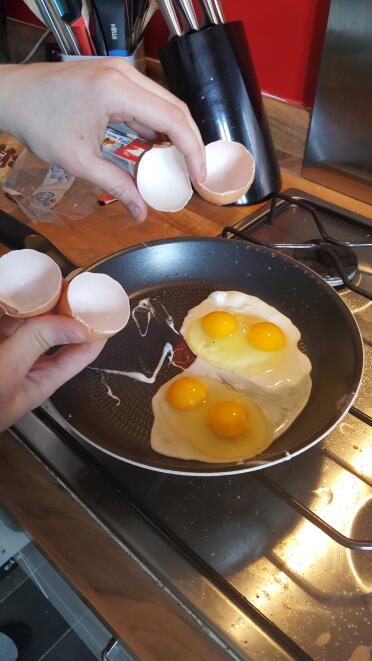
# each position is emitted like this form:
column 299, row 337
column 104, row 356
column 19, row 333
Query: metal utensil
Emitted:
column 187, row 11
column 219, row 10
column 139, row 12
column 146, row 18
column 149, row 14
column 167, row 10
column 62, row 32
column 210, row 12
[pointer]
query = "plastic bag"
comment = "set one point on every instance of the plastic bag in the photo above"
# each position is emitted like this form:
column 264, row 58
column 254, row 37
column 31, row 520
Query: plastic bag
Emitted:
column 48, row 194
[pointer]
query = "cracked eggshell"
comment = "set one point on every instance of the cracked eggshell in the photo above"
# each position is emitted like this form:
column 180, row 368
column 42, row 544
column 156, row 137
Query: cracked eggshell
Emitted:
column 230, row 172
column 97, row 301
column 162, row 178
column 30, row 283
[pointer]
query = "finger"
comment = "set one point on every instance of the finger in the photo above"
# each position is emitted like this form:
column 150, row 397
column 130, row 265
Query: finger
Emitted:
column 166, row 117
column 144, row 131
column 8, row 325
column 33, row 338
column 117, row 183
column 144, row 81
column 162, row 92
column 51, row 372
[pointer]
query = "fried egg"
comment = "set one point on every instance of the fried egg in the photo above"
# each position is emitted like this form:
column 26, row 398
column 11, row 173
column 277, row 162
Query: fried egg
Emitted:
column 245, row 335
column 281, row 405
column 199, row 417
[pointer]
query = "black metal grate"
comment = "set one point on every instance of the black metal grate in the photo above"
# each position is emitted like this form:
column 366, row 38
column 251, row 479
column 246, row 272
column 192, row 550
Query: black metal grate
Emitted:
column 329, row 245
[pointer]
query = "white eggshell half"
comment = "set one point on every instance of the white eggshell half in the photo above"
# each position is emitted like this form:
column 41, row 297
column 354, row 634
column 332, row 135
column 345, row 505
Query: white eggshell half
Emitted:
column 97, row 301
column 230, row 172
column 30, row 283
column 162, row 178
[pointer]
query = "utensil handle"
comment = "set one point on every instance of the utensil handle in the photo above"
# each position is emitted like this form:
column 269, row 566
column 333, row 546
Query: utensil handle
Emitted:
column 62, row 32
column 209, row 11
column 86, row 46
column 188, row 13
column 219, row 10
column 13, row 233
column 170, row 17
column 98, row 36
column 16, row 235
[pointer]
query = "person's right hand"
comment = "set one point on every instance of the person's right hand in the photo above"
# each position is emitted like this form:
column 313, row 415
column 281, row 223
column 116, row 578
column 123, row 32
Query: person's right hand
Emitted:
column 60, row 111
column 27, row 375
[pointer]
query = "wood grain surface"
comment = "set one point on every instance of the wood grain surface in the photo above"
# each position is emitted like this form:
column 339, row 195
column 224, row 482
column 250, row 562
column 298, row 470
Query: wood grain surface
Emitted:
column 110, row 228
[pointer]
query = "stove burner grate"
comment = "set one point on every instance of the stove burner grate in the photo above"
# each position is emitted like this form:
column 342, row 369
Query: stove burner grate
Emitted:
column 333, row 259
column 322, row 261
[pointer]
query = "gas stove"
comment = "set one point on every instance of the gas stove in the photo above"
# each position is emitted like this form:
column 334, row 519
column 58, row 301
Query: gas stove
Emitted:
column 276, row 564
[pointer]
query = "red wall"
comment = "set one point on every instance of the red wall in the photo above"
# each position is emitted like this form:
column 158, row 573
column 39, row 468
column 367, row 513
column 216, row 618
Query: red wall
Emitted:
column 285, row 37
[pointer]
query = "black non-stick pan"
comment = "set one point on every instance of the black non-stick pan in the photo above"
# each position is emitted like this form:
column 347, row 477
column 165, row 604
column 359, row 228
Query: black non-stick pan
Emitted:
column 113, row 411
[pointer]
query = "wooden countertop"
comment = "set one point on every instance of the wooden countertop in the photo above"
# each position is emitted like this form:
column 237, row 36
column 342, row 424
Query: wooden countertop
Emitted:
column 57, row 522
column 110, row 228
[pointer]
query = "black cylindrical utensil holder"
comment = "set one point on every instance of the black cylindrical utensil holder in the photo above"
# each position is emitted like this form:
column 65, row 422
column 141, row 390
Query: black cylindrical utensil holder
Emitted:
column 212, row 71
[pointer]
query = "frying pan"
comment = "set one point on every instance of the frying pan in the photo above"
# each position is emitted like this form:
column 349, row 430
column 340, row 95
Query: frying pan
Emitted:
column 113, row 412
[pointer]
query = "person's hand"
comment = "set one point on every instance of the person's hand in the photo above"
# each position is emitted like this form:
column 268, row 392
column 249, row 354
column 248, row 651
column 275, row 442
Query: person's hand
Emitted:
column 27, row 375
column 60, row 111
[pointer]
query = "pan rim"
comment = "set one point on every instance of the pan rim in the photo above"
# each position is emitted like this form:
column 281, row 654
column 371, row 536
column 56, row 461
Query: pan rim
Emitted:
column 239, row 468
column 238, row 471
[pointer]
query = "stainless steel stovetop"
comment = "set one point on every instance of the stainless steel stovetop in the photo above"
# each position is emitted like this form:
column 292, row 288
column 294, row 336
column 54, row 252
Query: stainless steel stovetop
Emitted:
column 273, row 565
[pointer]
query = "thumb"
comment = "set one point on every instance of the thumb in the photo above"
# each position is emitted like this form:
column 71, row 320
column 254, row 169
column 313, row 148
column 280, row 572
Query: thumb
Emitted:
column 32, row 339
column 116, row 182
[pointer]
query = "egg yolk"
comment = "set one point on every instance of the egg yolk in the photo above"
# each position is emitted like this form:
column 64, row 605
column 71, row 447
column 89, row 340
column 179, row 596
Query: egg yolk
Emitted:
column 219, row 323
column 266, row 336
column 228, row 419
column 186, row 393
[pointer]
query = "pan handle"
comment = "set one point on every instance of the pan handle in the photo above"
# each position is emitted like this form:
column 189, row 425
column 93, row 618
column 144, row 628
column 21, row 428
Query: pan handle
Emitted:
column 16, row 235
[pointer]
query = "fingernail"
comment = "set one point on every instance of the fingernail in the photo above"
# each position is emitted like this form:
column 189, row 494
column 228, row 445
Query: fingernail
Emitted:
column 136, row 212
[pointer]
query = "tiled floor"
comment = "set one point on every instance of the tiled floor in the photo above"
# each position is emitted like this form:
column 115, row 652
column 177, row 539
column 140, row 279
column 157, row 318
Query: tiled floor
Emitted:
column 34, row 624
column 39, row 611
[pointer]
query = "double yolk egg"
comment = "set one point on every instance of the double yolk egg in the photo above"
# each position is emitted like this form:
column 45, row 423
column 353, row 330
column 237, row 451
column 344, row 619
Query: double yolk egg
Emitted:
column 242, row 342
column 262, row 335
column 245, row 335
column 199, row 417
column 228, row 418
column 221, row 423
column 248, row 383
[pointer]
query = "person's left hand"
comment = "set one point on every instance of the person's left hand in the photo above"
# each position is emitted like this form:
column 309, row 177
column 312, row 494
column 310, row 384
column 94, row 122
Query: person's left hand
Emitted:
column 27, row 375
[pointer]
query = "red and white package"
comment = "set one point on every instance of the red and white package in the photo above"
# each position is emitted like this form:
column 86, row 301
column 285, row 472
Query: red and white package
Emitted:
column 124, row 149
